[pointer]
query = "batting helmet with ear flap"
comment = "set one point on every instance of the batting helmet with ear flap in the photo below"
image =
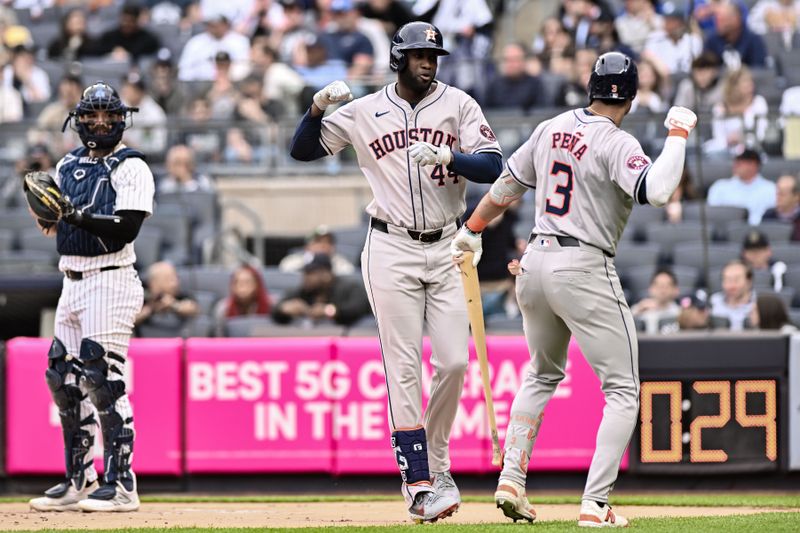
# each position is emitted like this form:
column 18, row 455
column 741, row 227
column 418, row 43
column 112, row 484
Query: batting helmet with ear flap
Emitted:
column 414, row 36
column 614, row 77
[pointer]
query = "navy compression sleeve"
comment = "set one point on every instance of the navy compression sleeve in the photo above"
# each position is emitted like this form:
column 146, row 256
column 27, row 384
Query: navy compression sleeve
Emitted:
column 123, row 225
column 305, row 142
column 483, row 167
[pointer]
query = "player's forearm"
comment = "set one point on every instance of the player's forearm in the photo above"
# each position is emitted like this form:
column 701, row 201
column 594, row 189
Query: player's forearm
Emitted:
column 306, row 144
column 123, row 225
column 486, row 211
column 480, row 168
column 664, row 175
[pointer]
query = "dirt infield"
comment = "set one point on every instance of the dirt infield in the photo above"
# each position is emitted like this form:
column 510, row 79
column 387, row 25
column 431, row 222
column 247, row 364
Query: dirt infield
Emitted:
column 17, row 516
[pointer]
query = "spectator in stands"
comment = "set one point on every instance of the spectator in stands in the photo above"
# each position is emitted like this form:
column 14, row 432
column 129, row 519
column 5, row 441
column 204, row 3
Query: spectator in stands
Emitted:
column 247, row 296
column 574, row 94
column 651, row 88
column 787, row 204
column 25, row 76
column 746, row 188
column 198, row 133
column 11, row 108
column 553, row 39
column 150, row 134
column 292, row 38
column 51, row 118
column 197, row 59
column 603, row 37
column 182, row 175
column 741, row 118
column 769, row 313
column 223, row 94
column 391, row 13
column 733, row 41
column 514, row 88
column 502, row 300
column 165, row 306
column 579, row 16
column 320, row 241
column 164, row 86
column 323, row 297
column 239, row 149
column 316, row 68
column 705, row 77
column 637, row 23
column 686, row 192
column 774, row 16
column 254, row 17
column 660, row 303
column 737, row 297
column 693, row 315
column 674, row 47
column 281, row 85
column 757, row 255
column 37, row 157
column 345, row 42
column 74, row 42
column 129, row 41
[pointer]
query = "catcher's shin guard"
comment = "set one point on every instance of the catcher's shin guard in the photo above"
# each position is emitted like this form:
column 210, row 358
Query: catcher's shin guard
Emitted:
column 67, row 397
column 104, row 393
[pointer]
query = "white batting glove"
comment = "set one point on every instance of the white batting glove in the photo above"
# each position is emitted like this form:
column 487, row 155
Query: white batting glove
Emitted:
column 425, row 154
column 680, row 118
column 333, row 93
column 466, row 240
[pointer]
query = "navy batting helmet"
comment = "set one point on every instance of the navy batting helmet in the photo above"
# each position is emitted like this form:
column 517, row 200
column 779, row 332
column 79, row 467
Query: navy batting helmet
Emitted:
column 414, row 36
column 614, row 77
column 99, row 96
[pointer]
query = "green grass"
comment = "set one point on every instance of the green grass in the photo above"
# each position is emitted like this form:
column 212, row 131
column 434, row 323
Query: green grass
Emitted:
column 721, row 499
column 772, row 522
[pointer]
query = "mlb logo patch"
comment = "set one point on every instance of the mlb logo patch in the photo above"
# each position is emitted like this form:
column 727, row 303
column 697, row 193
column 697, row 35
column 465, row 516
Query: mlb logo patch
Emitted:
column 544, row 243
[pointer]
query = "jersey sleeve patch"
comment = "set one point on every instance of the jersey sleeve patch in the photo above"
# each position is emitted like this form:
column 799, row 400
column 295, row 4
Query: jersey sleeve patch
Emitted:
column 637, row 162
column 487, row 132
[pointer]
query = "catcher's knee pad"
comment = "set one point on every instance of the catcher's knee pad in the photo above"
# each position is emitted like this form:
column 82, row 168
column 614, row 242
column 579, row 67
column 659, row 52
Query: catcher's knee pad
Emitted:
column 102, row 391
column 58, row 368
column 411, row 451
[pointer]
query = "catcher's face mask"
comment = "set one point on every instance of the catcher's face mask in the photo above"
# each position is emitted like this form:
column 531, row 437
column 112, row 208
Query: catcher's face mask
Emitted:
column 100, row 117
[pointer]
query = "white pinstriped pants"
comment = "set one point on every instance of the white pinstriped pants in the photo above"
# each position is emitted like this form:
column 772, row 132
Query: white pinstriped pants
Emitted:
column 102, row 307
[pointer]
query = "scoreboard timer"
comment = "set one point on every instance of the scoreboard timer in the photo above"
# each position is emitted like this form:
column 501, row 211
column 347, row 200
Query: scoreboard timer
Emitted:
column 712, row 405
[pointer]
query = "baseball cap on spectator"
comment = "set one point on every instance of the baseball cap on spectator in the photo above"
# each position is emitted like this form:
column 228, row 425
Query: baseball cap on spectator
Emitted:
column 669, row 9
column 17, row 36
column 748, row 154
column 222, row 57
column 318, row 262
column 755, row 240
column 698, row 300
column 319, row 232
column 135, row 79
column 342, row 5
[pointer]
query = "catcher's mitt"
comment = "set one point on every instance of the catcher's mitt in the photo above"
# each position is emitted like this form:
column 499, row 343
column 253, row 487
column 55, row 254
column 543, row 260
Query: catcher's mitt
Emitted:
column 44, row 196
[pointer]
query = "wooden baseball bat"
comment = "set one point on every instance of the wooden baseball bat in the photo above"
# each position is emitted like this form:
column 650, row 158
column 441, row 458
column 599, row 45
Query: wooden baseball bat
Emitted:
column 472, row 293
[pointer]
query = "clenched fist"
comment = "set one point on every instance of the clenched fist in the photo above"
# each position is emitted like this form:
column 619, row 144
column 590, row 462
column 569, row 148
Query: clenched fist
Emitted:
column 680, row 118
column 333, row 93
column 425, row 154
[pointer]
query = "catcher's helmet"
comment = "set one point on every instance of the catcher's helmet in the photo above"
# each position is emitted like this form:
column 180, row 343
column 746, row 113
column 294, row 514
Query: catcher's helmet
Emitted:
column 614, row 77
column 99, row 96
column 414, row 36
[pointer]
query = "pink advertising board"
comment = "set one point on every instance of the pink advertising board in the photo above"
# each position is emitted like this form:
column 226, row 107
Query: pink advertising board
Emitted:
column 34, row 441
column 261, row 405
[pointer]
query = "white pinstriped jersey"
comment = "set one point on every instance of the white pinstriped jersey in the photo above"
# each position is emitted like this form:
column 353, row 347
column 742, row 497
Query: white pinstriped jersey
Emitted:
column 133, row 183
column 586, row 172
column 381, row 126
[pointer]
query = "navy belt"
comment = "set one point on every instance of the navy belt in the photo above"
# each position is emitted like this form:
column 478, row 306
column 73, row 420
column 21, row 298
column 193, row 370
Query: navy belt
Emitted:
column 563, row 241
column 421, row 236
column 77, row 276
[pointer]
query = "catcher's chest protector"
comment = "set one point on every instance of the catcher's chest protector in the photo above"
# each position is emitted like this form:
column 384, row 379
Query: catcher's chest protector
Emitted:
column 86, row 181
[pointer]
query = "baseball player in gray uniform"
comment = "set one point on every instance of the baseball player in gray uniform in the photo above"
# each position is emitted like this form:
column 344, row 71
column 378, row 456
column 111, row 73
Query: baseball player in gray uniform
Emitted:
column 416, row 141
column 587, row 174
column 109, row 191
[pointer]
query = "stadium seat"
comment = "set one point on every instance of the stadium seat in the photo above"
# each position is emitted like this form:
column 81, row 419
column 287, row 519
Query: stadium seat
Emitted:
column 632, row 255
column 499, row 324
column 16, row 220
column 33, row 239
column 363, row 327
column 206, row 300
column 786, row 294
column 175, row 229
column 792, row 278
column 691, row 254
column 643, row 216
column 6, row 240
column 788, row 252
column 705, row 172
column 715, row 214
column 214, row 279
column 27, row 262
column 147, row 246
column 668, row 235
column 794, row 316
column 280, row 282
column 776, row 232
column 762, row 279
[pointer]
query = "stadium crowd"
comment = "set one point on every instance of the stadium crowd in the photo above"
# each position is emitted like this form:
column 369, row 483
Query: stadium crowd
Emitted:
column 220, row 83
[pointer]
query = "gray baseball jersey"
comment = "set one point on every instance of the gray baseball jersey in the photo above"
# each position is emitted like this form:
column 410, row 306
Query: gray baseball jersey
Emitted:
column 587, row 173
column 382, row 125
column 409, row 278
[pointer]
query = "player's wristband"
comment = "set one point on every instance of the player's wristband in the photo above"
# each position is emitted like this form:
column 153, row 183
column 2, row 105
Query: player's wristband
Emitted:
column 677, row 132
column 476, row 224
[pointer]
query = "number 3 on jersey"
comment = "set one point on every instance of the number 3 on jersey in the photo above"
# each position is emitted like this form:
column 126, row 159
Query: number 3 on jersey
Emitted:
column 564, row 190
